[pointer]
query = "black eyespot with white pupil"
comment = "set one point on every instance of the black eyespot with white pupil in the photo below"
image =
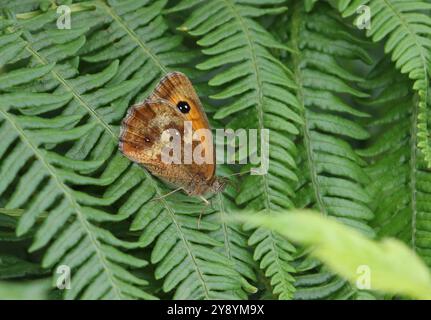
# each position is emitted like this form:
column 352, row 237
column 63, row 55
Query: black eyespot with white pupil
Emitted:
column 183, row 107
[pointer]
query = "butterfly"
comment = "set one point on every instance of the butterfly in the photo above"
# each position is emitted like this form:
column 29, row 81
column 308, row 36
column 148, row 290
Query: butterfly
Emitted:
column 171, row 106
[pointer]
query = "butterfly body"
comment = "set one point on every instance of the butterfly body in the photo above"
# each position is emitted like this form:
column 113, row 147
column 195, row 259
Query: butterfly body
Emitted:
column 172, row 105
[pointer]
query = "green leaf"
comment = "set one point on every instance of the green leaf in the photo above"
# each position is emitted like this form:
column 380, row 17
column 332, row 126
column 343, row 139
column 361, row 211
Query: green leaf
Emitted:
column 393, row 267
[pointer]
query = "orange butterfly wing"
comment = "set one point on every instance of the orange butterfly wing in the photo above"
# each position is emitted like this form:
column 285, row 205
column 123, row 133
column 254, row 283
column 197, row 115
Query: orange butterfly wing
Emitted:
column 176, row 88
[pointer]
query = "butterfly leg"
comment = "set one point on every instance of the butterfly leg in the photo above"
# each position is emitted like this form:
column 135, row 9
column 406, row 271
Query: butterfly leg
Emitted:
column 168, row 194
column 207, row 203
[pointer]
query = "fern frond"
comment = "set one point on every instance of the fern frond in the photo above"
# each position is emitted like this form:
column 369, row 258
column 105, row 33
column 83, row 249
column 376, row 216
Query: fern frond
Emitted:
column 33, row 177
column 257, row 90
column 24, row 6
column 84, row 161
column 234, row 239
column 332, row 178
column 405, row 28
column 356, row 148
column 399, row 174
column 52, row 179
column 146, row 54
column 15, row 262
column 190, row 260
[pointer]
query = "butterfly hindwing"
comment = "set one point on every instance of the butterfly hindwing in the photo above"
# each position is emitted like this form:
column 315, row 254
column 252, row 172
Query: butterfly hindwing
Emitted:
column 142, row 128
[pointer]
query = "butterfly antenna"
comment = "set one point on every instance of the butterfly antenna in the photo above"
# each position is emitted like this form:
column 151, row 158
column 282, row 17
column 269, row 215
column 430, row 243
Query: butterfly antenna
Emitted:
column 235, row 184
column 237, row 174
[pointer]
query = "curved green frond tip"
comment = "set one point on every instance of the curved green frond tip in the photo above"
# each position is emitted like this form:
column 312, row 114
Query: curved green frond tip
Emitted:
column 391, row 266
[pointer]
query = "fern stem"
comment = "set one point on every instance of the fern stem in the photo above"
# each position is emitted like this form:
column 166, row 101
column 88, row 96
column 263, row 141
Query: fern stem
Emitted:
column 177, row 224
column 74, row 92
column 413, row 166
column 296, row 60
column 133, row 35
column 426, row 148
column 260, row 113
column 223, row 219
column 258, row 88
column 414, row 128
column 26, row 38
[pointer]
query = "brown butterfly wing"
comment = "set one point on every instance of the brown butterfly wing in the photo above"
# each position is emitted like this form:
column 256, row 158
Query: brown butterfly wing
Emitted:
column 141, row 142
column 140, row 138
column 141, row 130
column 176, row 87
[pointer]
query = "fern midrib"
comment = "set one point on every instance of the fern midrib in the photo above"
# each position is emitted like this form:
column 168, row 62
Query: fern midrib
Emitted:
column 421, row 49
column 413, row 161
column 260, row 113
column 406, row 26
column 74, row 92
column 223, row 217
column 66, row 191
column 68, row 86
column 258, row 88
column 296, row 59
column 181, row 234
column 133, row 35
column 413, row 166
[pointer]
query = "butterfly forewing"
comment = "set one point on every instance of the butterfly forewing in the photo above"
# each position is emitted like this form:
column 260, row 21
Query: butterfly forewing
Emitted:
column 177, row 88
